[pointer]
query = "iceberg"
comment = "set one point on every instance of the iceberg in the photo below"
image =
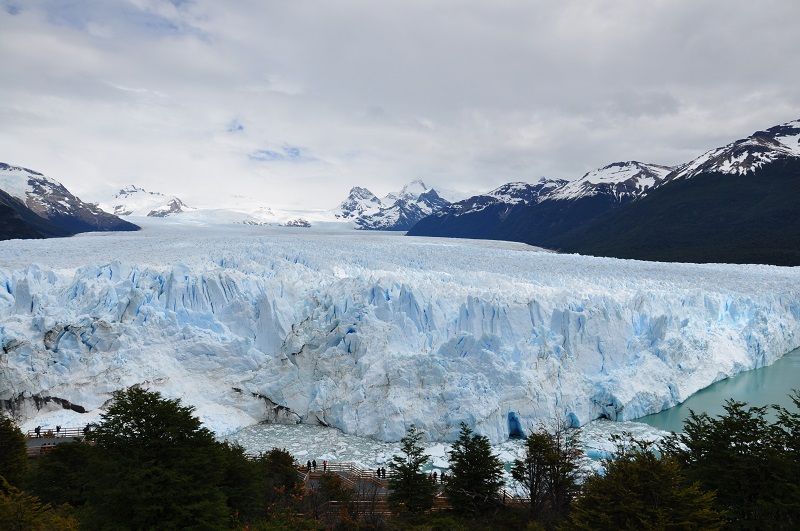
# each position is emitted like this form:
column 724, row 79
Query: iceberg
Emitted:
column 372, row 332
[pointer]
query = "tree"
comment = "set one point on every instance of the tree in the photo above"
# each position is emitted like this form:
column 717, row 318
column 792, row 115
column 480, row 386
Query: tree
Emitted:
column 411, row 489
column 476, row 474
column 157, row 467
column 14, row 456
column 20, row 511
column 62, row 474
column 242, row 483
column 281, row 485
column 550, row 471
column 639, row 490
column 752, row 464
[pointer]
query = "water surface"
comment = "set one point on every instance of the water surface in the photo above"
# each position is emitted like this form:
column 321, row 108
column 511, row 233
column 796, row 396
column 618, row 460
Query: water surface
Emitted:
column 759, row 387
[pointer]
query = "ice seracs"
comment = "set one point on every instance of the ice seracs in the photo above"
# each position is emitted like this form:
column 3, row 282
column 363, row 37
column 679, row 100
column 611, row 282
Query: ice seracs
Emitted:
column 370, row 332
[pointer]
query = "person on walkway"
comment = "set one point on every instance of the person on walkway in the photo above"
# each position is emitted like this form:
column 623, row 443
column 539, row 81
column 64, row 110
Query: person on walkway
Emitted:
column 38, row 431
column 324, row 465
column 314, row 465
column 86, row 430
column 308, row 465
column 378, row 472
column 434, row 476
column 58, row 429
column 383, row 472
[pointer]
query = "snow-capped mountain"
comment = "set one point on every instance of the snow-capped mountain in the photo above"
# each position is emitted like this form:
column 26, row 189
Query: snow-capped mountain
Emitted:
column 538, row 213
column 359, row 201
column 59, row 212
column 135, row 201
column 748, row 154
column 736, row 203
column 401, row 210
column 508, row 196
column 621, row 180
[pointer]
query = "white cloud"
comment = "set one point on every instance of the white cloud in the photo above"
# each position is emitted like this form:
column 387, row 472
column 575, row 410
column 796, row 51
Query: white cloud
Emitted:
column 179, row 95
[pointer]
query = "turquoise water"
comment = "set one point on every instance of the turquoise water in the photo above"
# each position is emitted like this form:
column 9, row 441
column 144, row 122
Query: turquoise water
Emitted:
column 759, row 387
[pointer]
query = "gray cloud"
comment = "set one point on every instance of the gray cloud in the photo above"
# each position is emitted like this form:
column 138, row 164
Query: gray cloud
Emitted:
column 464, row 94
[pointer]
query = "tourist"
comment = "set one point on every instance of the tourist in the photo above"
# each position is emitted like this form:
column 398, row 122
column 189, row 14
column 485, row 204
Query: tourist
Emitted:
column 38, row 431
column 308, row 465
column 434, row 476
column 324, row 465
column 58, row 429
column 314, row 465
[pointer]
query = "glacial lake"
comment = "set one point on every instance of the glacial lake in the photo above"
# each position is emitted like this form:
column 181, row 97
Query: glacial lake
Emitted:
column 759, row 387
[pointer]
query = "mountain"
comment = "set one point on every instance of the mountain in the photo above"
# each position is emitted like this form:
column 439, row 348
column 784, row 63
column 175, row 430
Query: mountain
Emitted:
column 359, row 201
column 741, row 157
column 539, row 213
column 403, row 210
column 35, row 206
column 135, row 201
column 737, row 204
column 619, row 180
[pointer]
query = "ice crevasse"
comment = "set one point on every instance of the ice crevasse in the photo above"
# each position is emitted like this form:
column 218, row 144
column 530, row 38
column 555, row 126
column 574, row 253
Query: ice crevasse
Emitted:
column 373, row 335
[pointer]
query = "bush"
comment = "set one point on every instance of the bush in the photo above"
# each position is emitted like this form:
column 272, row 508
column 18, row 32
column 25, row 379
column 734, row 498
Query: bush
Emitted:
column 14, row 456
column 752, row 464
column 639, row 490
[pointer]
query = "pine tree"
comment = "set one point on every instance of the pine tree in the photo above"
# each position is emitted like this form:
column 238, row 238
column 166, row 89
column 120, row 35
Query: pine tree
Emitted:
column 476, row 474
column 550, row 471
column 411, row 489
column 13, row 456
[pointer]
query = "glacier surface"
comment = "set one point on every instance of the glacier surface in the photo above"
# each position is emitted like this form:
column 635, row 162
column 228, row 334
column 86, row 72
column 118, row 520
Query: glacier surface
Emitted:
column 371, row 332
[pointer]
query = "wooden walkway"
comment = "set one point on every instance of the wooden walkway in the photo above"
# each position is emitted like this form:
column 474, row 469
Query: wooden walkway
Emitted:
column 48, row 439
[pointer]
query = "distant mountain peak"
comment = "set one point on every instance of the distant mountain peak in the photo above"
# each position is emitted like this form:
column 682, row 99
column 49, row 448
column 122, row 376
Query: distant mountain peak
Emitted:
column 134, row 200
column 621, row 180
column 40, row 207
column 747, row 154
column 414, row 188
column 359, row 200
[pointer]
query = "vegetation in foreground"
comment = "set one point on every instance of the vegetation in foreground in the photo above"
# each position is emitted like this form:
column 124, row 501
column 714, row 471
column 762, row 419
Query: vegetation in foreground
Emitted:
column 152, row 465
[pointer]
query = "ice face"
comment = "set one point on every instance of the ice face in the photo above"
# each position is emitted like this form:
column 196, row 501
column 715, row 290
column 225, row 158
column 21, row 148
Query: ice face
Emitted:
column 370, row 332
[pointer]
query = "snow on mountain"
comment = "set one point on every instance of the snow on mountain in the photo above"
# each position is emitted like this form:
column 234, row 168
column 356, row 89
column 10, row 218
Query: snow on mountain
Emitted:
column 359, row 201
column 135, row 201
column 402, row 210
column 621, row 180
column 748, row 154
column 510, row 194
column 51, row 201
column 369, row 332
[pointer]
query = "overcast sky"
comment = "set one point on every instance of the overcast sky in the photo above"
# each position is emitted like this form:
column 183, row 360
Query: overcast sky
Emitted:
column 293, row 102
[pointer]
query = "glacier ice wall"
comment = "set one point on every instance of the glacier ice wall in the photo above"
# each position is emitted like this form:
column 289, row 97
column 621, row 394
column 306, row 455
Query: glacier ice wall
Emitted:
column 370, row 333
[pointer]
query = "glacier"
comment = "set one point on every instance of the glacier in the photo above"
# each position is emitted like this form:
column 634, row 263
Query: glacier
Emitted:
column 371, row 332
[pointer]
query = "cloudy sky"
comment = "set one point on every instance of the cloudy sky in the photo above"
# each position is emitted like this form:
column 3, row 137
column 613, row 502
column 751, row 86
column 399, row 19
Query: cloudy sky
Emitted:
column 292, row 102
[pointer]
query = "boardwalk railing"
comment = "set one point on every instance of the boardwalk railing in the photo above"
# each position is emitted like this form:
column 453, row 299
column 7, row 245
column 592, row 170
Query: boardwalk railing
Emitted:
column 51, row 433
